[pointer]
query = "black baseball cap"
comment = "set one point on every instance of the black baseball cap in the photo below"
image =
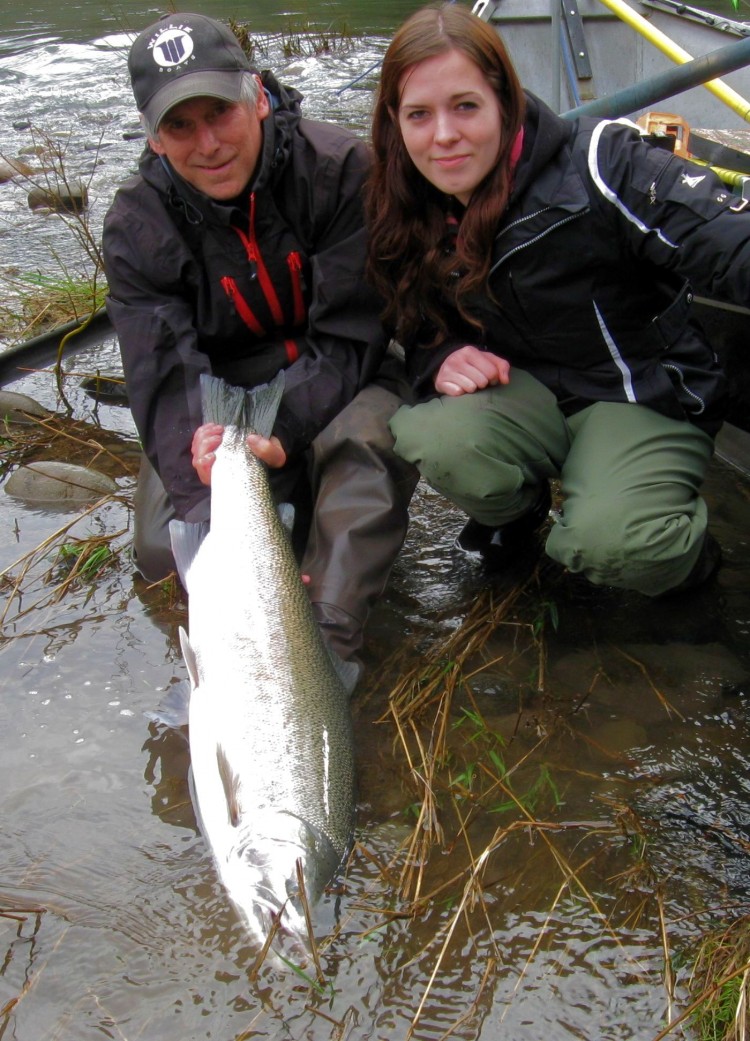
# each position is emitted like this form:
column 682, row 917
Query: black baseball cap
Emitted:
column 184, row 56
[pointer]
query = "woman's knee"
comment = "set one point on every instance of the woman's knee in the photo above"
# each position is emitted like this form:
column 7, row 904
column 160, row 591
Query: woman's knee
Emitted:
column 647, row 554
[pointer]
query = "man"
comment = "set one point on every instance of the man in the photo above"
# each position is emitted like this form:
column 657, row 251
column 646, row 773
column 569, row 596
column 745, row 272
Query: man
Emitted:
column 239, row 250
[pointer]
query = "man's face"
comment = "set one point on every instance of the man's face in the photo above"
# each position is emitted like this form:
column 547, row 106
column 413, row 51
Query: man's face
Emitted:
column 213, row 144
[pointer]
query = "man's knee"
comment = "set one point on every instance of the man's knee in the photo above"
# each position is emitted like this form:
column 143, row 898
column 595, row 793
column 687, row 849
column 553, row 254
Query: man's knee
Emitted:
column 359, row 441
column 152, row 547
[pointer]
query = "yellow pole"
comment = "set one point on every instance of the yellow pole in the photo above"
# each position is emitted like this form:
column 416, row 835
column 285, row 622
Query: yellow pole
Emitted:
column 733, row 178
column 667, row 46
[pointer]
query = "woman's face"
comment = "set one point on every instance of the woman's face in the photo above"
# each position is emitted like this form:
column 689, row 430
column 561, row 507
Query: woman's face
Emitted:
column 450, row 122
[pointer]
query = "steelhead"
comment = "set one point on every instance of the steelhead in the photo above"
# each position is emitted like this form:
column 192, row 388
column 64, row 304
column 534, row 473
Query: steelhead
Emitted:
column 270, row 730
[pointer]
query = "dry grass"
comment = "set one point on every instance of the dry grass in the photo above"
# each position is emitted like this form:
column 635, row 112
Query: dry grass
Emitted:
column 463, row 774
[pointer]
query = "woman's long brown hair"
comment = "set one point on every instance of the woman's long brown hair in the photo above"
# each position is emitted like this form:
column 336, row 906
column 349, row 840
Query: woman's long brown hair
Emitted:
column 408, row 262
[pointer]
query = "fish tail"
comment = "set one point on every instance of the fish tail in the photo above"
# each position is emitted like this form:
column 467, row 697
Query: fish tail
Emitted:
column 253, row 410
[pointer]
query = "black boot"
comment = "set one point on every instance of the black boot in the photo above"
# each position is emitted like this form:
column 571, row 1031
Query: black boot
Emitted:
column 705, row 567
column 492, row 543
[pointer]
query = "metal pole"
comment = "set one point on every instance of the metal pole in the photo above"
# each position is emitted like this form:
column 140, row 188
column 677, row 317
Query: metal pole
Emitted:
column 556, row 56
column 667, row 46
column 675, row 81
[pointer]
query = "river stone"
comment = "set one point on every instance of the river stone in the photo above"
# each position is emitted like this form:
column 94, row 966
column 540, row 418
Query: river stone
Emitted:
column 63, row 198
column 16, row 408
column 58, row 482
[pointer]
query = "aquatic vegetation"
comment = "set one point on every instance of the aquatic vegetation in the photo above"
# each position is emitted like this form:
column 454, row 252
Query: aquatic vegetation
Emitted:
column 86, row 558
column 720, row 984
column 36, row 302
column 307, row 41
column 298, row 40
column 31, row 302
column 48, row 572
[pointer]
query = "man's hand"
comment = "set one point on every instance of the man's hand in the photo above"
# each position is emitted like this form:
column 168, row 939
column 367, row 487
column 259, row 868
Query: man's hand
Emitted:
column 207, row 439
column 468, row 369
column 268, row 450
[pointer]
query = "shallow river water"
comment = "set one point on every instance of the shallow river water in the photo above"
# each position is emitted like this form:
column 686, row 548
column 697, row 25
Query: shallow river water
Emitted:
column 553, row 780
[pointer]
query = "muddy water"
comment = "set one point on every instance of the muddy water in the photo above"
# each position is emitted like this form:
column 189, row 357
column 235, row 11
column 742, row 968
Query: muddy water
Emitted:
column 596, row 778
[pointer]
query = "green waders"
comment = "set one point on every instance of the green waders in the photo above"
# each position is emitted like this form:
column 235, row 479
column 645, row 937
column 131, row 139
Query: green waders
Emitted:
column 631, row 516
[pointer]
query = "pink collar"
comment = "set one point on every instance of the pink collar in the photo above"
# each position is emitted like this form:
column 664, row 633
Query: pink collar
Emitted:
column 515, row 152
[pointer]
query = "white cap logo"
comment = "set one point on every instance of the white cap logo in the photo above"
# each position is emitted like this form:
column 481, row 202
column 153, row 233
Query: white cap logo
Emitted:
column 172, row 47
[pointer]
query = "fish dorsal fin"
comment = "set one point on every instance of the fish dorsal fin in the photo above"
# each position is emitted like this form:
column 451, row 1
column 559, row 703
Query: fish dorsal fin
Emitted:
column 231, row 784
column 253, row 410
column 189, row 655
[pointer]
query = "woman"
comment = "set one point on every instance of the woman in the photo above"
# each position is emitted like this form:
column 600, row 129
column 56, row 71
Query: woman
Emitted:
column 539, row 274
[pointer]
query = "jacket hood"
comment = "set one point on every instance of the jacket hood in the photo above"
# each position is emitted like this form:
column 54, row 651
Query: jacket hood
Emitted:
column 277, row 129
column 544, row 135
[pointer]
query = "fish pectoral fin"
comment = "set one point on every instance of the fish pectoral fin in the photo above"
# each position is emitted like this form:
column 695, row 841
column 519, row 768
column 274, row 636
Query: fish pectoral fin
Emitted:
column 186, row 540
column 318, row 862
column 188, row 655
column 172, row 710
column 348, row 672
column 231, row 784
column 286, row 516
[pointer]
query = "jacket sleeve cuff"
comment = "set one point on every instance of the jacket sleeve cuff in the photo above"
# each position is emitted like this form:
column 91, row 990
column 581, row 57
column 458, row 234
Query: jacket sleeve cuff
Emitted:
column 423, row 363
column 200, row 511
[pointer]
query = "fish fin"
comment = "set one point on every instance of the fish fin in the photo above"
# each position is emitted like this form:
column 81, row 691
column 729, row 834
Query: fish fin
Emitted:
column 348, row 672
column 320, row 863
column 254, row 409
column 172, row 710
column 189, row 655
column 286, row 516
column 231, row 783
column 186, row 540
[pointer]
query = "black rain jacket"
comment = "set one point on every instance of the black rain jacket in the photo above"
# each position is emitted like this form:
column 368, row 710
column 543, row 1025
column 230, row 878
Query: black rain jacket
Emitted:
column 242, row 291
column 604, row 241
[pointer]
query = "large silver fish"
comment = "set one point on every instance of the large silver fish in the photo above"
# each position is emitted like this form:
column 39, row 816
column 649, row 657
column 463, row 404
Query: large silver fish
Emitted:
column 271, row 742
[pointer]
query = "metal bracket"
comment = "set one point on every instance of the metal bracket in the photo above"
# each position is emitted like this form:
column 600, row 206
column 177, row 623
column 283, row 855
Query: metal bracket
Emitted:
column 485, row 9
column 580, row 52
column 744, row 201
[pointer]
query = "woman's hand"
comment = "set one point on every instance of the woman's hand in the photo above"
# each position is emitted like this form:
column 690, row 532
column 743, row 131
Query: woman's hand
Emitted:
column 469, row 369
column 207, row 439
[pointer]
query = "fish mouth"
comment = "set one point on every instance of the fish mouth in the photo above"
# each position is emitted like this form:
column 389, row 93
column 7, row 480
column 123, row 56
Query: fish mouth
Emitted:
column 274, row 883
column 280, row 931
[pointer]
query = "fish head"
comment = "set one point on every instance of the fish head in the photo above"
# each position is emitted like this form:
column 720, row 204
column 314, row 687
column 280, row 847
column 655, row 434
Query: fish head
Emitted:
column 280, row 865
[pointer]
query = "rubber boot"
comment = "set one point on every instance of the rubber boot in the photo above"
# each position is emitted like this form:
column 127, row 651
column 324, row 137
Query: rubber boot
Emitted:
column 494, row 544
column 704, row 569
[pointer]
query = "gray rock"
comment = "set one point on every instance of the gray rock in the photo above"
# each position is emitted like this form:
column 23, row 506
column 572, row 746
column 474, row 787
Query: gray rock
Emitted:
column 58, row 482
column 16, row 408
column 71, row 198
